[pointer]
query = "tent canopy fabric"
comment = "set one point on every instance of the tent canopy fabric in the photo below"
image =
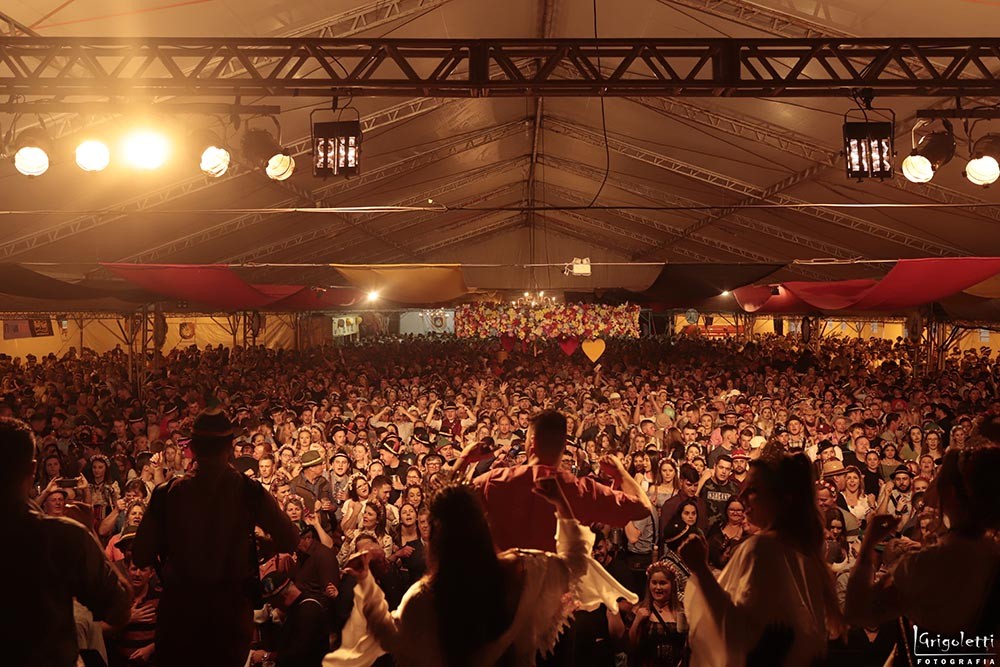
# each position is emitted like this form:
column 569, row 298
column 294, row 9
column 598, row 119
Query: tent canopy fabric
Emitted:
column 408, row 284
column 910, row 283
column 219, row 287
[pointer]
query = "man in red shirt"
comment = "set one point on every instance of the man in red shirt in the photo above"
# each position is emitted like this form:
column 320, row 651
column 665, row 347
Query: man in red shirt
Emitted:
column 519, row 518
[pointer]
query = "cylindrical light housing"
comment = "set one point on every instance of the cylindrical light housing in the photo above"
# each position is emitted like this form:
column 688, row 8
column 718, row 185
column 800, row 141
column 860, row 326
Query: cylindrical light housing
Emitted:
column 931, row 153
column 260, row 149
column 984, row 167
column 31, row 153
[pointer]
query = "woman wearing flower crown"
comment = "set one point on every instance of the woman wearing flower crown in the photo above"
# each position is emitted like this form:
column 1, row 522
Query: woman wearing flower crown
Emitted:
column 657, row 635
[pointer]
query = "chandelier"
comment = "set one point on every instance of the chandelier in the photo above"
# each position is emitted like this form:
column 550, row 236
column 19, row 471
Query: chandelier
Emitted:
column 534, row 300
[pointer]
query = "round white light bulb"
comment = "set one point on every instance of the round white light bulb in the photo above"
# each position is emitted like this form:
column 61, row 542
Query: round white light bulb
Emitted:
column 31, row 160
column 983, row 171
column 280, row 167
column 215, row 161
column 146, row 150
column 918, row 169
column 93, row 155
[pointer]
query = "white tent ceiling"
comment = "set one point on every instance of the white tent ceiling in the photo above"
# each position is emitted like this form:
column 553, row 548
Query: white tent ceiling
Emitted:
column 480, row 152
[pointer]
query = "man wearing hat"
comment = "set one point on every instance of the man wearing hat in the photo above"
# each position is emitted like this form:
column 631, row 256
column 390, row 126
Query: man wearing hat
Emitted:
column 55, row 561
column 303, row 640
column 450, row 421
column 311, row 484
column 198, row 533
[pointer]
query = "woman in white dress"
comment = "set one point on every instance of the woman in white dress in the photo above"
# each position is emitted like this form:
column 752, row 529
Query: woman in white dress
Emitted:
column 776, row 578
column 476, row 608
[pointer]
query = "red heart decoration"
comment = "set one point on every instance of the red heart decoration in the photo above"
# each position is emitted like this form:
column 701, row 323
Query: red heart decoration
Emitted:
column 569, row 345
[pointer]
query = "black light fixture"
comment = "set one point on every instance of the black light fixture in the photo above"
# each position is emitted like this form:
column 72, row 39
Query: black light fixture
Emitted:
column 868, row 140
column 262, row 150
column 336, row 148
column 932, row 151
column 984, row 166
column 31, row 152
column 211, row 152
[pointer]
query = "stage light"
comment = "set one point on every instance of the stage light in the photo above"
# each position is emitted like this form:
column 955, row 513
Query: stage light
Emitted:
column 336, row 148
column 261, row 150
column 215, row 161
column 211, row 152
column 868, row 149
column 933, row 151
column 145, row 149
column 93, row 155
column 31, row 155
column 983, row 168
column 725, row 292
column 373, row 296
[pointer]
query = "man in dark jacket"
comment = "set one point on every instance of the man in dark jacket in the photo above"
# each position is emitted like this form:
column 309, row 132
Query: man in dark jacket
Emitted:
column 198, row 533
column 304, row 637
column 49, row 561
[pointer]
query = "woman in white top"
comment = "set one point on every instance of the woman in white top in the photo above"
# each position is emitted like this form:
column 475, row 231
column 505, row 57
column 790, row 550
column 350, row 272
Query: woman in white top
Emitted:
column 474, row 607
column 775, row 578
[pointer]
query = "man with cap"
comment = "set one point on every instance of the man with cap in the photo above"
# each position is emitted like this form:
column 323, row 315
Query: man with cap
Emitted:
column 340, row 479
column 199, row 534
column 304, row 637
column 741, row 468
column 394, row 469
column 50, row 562
column 311, row 484
column 450, row 422
column 895, row 497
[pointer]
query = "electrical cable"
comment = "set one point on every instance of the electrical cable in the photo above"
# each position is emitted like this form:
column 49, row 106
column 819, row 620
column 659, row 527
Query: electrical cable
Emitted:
column 604, row 123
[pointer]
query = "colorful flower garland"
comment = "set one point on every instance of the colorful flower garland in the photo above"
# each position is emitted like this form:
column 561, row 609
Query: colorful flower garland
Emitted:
column 582, row 320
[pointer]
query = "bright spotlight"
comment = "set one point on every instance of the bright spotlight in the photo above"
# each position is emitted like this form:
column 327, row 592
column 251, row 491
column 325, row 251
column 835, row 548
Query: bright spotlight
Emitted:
column 928, row 155
column 93, row 155
column 31, row 161
column 725, row 292
column 983, row 168
column 215, row 161
column 261, row 149
column 31, row 156
column 145, row 149
column 280, row 167
column 373, row 296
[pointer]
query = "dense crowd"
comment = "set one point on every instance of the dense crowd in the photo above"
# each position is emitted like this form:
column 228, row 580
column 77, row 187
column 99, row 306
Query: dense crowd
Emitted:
column 354, row 441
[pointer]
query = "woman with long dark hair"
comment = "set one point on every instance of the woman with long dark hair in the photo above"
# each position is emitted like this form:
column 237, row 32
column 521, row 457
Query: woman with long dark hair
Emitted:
column 776, row 577
column 476, row 608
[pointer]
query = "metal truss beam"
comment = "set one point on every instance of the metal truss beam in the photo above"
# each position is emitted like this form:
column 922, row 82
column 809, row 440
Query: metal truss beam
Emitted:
column 69, row 228
column 612, row 241
column 325, row 195
column 475, row 228
column 771, row 21
column 346, row 24
column 278, row 67
column 646, row 222
column 789, row 141
column 722, row 181
column 418, row 225
column 11, row 27
column 666, row 198
column 324, row 252
column 326, row 233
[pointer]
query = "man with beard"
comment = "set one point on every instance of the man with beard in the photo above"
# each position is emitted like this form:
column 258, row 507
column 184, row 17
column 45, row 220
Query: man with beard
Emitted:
column 896, row 496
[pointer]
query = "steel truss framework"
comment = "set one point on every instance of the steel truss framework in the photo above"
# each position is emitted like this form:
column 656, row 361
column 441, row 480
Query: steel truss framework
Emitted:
column 195, row 67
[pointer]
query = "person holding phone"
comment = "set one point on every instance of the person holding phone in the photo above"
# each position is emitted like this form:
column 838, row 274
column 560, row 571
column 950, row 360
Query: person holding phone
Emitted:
column 513, row 604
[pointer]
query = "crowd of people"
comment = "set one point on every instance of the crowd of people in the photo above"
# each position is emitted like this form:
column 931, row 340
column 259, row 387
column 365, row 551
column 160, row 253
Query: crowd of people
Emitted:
column 704, row 487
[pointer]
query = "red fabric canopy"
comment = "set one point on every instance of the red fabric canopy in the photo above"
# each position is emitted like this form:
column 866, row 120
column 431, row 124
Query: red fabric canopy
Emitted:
column 910, row 283
column 219, row 286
